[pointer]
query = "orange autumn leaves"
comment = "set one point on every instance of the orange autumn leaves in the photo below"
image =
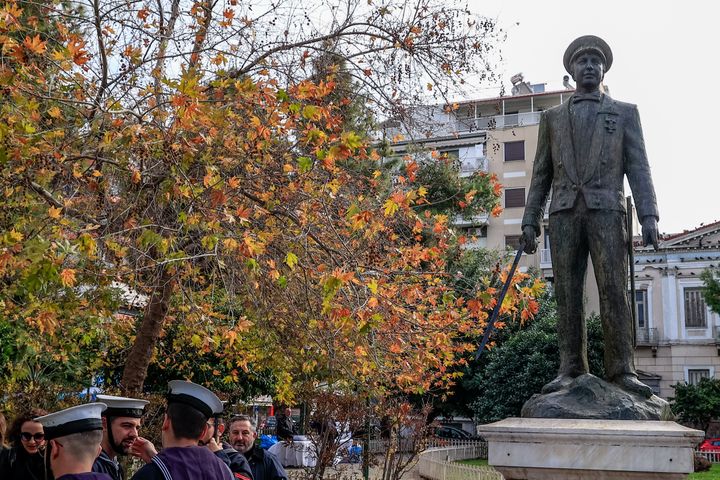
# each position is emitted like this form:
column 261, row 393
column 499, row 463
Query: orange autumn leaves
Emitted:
column 283, row 255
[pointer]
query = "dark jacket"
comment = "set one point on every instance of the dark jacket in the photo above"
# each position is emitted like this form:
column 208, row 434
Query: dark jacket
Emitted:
column 265, row 465
column 617, row 150
column 17, row 464
column 105, row 464
column 284, row 430
column 85, row 476
column 185, row 463
column 236, row 461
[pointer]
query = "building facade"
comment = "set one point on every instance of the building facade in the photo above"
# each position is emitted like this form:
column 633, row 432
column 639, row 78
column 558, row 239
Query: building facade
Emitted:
column 678, row 336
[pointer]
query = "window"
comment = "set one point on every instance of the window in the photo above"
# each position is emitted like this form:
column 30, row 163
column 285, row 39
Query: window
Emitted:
column 694, row 375
column 450, row 154
column 641, row 308
column 512, row 241
column 514, row 151
column 514, row 197
column 479, row 232
column 695, row 311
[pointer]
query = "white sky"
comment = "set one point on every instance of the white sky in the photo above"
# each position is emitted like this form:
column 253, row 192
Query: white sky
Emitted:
column 666, row 60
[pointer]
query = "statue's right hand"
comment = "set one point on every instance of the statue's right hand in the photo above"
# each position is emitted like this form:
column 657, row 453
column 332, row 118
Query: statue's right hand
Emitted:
column 528, row 240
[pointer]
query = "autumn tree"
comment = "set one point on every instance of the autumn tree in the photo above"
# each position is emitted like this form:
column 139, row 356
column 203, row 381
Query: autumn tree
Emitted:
column 711, row 289
column 176, row 194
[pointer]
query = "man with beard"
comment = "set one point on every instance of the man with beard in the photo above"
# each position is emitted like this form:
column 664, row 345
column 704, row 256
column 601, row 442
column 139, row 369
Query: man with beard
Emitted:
column 121, row 422
column 242, row 436
column 232, row 458
column 73, row 439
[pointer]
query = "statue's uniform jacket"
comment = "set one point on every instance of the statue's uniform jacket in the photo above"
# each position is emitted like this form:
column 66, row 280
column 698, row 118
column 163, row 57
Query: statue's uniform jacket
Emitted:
column 587, row 215
column 617, row 149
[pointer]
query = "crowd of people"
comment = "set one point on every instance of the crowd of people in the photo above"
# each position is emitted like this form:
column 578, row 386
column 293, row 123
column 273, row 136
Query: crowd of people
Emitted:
column 85, row 442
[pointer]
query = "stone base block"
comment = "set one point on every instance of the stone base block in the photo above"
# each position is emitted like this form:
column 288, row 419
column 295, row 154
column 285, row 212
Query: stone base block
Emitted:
column 568, row 449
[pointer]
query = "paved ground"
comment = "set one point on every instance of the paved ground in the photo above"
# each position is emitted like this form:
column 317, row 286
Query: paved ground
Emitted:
column 347, row 471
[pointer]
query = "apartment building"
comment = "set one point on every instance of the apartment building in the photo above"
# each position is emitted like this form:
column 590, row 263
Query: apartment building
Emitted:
column 495, row 135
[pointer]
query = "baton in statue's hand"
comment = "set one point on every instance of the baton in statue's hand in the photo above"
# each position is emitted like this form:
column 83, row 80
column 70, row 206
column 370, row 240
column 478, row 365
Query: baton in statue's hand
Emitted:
column 496, row 310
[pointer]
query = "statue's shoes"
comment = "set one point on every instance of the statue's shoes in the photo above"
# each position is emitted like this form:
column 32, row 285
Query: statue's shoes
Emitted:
column 558, row 383
column 630, row 383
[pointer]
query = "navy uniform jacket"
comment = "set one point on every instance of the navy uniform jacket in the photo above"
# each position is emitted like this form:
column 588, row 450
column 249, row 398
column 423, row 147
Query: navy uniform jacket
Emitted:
column 185, row 463
column 617, row 150
column 236, row 461
column 265, row 465
column 105, row 464
column 84, row 476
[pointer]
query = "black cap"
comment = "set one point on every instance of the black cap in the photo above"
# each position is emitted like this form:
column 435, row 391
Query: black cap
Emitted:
column 583, row 44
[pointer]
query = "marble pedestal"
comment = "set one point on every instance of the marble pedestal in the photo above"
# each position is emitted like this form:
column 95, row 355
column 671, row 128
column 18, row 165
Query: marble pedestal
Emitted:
column 564, row 449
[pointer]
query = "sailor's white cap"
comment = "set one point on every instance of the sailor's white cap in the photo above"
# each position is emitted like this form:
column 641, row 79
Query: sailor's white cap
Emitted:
column 196, row 396
column 122, row 406
column 81, row 418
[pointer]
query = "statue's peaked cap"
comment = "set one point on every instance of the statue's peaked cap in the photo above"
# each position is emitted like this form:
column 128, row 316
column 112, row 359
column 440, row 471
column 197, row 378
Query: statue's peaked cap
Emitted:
column 584, row 43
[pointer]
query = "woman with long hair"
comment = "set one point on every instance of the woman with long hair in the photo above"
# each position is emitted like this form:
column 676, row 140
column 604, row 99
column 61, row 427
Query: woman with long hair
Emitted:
column 24, row 460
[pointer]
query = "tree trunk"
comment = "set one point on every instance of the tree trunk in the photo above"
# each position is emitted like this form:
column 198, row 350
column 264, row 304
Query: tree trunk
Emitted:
column 152, row 322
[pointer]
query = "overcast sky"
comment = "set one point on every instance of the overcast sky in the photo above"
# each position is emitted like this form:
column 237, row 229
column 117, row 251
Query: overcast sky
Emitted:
column 666, row 61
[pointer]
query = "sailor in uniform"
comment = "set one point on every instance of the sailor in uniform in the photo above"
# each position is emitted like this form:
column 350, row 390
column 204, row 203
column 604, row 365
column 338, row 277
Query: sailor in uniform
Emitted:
column 73, row 439
column 189, row 407
column 121, row 424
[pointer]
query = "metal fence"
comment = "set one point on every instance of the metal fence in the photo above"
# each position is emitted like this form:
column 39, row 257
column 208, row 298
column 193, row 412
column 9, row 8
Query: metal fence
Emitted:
column 714, row 457
column 440, row 463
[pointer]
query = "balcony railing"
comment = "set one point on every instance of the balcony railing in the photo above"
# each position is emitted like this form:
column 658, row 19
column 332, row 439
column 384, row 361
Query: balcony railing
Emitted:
column 506, row 121
column 647, row 337
column 468, row 166
column 545, row 258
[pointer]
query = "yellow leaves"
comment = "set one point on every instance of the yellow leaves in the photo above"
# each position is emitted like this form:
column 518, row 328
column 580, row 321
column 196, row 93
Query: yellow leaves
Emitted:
column 373, row 286
column 390, row 207
column 54, row 212
column 67, row 277
column 15, row 236
column 10, row 13
column 55, row 112
column 312, row 112
column 291, row 260
column 135, row 177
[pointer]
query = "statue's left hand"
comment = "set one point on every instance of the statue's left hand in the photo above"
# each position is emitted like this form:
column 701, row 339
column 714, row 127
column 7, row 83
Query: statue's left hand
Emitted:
column 650, row 231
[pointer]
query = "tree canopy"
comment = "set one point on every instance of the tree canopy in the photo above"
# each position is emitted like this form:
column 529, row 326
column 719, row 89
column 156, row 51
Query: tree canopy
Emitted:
column 697, row 404
column 711, row 289
column 181, row 195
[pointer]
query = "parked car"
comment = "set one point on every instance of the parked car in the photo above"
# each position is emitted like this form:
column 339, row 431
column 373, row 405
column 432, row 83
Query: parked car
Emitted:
column 452, row 433
column 710, row 445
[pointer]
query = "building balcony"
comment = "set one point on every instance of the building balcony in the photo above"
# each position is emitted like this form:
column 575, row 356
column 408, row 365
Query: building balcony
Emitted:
column 468, row 166
column 545, row 258
column 647, row 337
column 497, row 121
